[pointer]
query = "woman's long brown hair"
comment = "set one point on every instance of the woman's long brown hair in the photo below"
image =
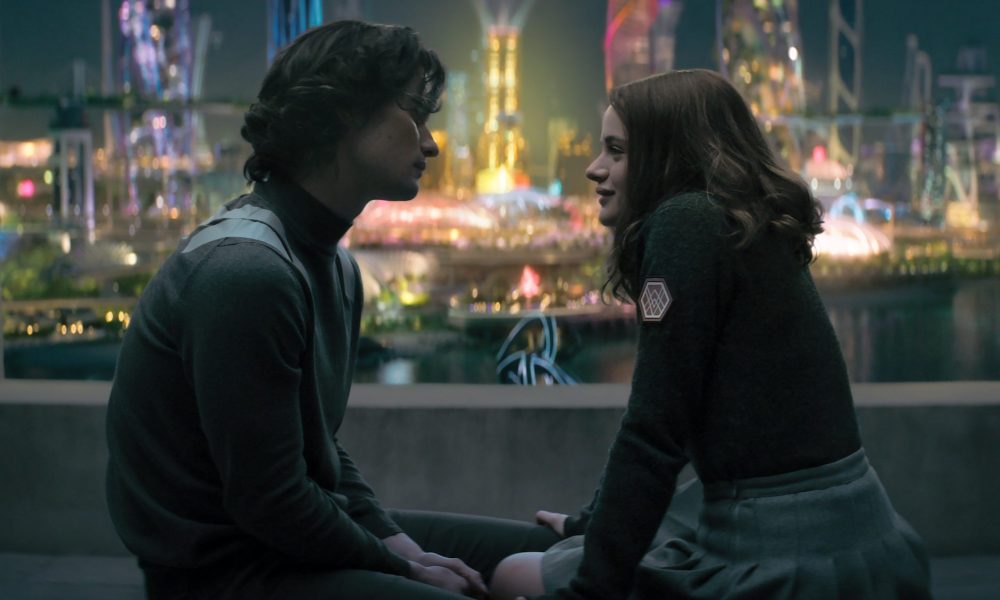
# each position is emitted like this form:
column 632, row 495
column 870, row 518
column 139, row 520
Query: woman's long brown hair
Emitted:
column 691, row 131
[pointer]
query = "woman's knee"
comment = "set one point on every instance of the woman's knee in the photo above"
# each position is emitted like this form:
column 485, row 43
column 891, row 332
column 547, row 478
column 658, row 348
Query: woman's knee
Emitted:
column 518, row 575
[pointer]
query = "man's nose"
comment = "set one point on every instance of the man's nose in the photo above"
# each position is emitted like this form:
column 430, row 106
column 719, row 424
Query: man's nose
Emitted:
column 427, row 144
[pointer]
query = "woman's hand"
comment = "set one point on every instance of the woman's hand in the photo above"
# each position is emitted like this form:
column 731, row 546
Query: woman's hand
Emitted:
column 554, row 521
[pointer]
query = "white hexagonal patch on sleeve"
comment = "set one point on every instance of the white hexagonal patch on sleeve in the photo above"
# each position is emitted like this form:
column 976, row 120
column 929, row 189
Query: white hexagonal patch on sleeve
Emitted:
column 654, row 300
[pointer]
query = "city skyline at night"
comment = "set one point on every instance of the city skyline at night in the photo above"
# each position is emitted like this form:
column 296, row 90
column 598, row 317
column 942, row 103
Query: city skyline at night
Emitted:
column 568, row 82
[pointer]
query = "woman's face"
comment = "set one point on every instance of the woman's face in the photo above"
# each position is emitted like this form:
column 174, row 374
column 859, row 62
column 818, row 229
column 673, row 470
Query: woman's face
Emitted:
column 609, row 168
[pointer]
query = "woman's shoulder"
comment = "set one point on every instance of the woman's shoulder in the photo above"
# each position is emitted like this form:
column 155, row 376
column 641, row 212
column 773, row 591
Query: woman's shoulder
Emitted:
column 687, row 211
column 692, row 202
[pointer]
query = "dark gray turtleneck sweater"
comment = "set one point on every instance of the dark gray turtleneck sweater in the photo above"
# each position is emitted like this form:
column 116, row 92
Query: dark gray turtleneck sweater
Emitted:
column 231, row 384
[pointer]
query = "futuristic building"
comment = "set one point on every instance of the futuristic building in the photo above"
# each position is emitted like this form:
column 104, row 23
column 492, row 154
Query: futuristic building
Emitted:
column 639, row 39
column 72, row 162
column 973, row 122
column 760, row 52
column 501, row 142
column 286, row 19
column 156, row 62
column 844, row 78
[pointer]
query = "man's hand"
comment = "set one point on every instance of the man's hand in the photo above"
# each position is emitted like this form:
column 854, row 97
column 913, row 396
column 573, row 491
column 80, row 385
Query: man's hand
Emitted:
column 554, row 521
column 456, row 566
column 404, row 546
column 446, row 579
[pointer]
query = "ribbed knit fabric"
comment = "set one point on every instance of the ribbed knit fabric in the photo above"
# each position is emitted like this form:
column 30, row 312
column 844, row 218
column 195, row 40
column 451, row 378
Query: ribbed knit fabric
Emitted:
column 742, row 375
column 231, row 385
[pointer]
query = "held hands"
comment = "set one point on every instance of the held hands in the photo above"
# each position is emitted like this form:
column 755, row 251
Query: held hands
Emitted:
column 446, row 579
column 440, row 571
column 448, row 573
column 554, row 521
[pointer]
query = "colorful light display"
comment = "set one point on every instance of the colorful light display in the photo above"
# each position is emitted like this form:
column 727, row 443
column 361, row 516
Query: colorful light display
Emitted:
column 501, row 143
column 157, row 63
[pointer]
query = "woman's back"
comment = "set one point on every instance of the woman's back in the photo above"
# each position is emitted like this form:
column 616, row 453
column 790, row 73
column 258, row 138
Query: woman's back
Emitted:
column 776, row 393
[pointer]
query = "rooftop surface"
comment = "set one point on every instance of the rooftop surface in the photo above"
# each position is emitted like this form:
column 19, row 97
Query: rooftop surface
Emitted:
column 40, row 577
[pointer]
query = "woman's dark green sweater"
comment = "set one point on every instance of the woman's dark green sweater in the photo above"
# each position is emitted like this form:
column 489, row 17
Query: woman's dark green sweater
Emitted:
column 742, row 375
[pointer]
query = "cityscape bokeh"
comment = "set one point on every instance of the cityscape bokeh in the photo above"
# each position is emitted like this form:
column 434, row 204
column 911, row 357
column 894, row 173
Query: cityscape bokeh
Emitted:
column 501, row 255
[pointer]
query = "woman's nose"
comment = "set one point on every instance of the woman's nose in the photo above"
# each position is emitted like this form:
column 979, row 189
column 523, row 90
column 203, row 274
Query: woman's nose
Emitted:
column 596, row 172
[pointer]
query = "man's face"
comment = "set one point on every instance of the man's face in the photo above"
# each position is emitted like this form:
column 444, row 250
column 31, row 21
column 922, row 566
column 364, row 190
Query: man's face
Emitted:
column 389, row 154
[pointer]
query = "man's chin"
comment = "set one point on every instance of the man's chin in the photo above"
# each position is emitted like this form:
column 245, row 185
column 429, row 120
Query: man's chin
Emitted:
column 402, row 194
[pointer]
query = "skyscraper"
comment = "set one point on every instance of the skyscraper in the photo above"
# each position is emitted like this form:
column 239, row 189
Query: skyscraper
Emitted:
column 501, row 143
column 639, row 39
column 286, row 19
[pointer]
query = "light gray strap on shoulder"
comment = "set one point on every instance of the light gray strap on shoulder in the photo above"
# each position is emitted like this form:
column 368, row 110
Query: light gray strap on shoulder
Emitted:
column 250, row 222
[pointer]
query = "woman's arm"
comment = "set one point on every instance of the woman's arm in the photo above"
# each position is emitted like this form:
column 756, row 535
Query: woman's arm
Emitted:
column 677, row 311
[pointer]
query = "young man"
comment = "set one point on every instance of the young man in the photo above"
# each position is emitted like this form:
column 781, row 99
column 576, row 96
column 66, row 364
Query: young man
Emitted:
column 226, row 478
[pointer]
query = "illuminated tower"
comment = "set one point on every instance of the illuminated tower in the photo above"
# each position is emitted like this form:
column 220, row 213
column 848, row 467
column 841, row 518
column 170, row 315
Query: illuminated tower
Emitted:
column 639, row 39
column 844, row 73
column 972, row 126
column 156, row 67
column 760, row 52
column 462, row 169
column 501, row 142
column 286, row 19
column 72, row 161
column 916, row 96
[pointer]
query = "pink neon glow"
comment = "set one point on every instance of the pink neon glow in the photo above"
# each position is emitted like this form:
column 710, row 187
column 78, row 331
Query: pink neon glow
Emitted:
column 530, row 280
column 26, row 188
column 819, row 154
column 609, row 36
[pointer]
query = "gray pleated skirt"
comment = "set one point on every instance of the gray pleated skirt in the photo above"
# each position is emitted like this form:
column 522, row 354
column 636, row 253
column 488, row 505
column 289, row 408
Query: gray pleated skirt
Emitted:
column 826, row 532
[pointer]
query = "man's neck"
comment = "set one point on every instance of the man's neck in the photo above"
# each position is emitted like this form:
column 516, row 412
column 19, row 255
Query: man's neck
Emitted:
column 337, row 197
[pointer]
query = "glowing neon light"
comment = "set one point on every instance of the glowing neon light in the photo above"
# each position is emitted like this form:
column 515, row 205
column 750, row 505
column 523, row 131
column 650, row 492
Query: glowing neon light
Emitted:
column 529, row 367
column 26, row 189
column 530, row 283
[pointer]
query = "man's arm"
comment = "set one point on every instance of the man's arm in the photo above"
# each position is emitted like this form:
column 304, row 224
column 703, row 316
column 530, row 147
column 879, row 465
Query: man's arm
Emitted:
column 363, row 507
column 242, row 325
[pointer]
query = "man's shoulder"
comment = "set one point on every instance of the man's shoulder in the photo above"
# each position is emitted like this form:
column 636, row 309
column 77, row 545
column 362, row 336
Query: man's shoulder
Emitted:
column 232, row 267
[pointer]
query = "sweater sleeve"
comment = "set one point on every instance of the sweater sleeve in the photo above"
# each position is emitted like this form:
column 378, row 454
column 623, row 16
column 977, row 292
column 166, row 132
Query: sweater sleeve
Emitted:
column 680, row 250
column 243, row 329
column 576, row 525
column 363, row 507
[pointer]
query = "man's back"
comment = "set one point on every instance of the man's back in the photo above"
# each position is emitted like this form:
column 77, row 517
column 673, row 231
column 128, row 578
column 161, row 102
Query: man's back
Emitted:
column 227, row 357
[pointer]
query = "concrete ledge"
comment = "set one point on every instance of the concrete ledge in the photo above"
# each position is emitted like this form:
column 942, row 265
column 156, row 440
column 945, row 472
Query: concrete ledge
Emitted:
column 500, row 450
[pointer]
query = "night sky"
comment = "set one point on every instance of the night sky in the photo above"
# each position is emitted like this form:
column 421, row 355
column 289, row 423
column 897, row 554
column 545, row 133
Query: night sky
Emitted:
column 562, row 64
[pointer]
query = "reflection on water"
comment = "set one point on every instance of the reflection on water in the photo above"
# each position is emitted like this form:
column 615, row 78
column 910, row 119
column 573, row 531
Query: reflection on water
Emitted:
column 903, row 335
column 929, row 337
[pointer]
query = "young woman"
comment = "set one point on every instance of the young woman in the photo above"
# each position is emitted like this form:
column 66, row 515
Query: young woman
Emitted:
column 738, row 372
